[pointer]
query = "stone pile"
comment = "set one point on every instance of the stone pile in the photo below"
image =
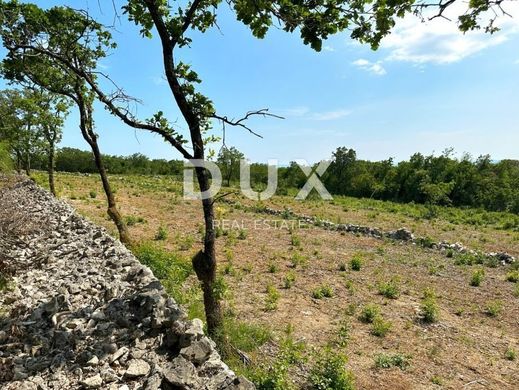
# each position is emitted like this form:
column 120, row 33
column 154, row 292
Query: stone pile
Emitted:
column 401, row 234
column 83, row 313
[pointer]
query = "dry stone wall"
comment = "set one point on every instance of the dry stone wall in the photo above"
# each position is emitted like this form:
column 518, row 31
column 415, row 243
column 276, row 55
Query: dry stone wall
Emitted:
column 82, row 312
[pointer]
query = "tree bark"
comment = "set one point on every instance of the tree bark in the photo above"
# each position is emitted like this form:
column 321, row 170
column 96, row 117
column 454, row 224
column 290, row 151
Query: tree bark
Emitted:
column 86, row 126
column 50, row 169
column 204, row 263
column 28, row 163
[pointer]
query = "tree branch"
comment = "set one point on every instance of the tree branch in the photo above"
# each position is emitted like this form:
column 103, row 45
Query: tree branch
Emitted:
column 241, row 121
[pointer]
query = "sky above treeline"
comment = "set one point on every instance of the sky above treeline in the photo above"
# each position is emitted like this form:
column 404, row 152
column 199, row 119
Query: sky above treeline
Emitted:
column 428, row 88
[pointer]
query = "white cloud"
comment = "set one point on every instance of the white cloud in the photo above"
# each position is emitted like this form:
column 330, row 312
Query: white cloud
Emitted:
column 372, row 67
column 440, row 41
column 328, row 48
column 330, row 115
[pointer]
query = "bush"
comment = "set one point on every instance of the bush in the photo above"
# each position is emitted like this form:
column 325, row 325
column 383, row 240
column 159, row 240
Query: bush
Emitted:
column 324, row 291
column 380, row 327
column 429, row 311
column 494, row 308
column 389, row 289
column 395, row 360
column 369, row 313
column 92, row 194
column 356, row 262
column 477, row 277
column 289, row 280
column 161, row 234
column 510, row 354
column 513, row 276
column 330, row 372
column 271, row 301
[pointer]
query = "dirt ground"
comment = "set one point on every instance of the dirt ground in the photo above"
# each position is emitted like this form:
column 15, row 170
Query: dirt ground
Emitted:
column 465, row 349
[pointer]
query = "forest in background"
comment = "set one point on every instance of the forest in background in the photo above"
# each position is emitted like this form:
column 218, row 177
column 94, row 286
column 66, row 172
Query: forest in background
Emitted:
column 438, row 180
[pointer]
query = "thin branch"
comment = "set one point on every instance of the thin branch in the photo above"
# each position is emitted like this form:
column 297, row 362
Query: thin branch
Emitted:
column 241, row 121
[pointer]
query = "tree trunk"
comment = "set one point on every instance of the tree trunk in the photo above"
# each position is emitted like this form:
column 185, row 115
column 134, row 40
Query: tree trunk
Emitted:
column 50, row 169
column 112, row 210
column 204, row 264
column 86, row 126
column 28, row 164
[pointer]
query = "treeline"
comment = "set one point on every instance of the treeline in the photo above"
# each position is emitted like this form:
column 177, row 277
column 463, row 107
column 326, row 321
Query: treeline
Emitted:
column 75, row 160
column 437, row 180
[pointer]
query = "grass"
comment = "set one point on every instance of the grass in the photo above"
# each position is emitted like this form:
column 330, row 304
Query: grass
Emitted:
column 399, row 360
column 246, row 337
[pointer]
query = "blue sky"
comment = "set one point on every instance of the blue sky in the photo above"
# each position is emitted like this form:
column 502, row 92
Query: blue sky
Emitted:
column 428, row 88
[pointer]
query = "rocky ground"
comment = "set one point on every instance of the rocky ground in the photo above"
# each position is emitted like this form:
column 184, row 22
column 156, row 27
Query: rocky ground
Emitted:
column 80, row 311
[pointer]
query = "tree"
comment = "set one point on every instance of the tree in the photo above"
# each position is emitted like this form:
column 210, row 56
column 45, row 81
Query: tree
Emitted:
column 26, row 23
column 315, row 20
column 229, row 162
column 21, row 125
column 53, row 111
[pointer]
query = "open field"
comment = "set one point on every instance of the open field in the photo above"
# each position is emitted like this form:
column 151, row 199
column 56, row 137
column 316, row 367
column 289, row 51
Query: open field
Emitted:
column 405, row 316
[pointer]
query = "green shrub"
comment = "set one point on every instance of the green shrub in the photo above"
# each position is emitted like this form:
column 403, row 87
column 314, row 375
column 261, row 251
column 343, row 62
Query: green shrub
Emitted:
column 356, row 262
column 271, row 301
column 289, row 280
column 510, row 354
column 273, row 268
column 369, row 313
column 342, row 267
column 389, row 289
column 429, row 311
column 513, row 276
column 330, row 373
column 494, row 308
column 295, row 240
column 343, row 334
column 392, row 360
column 93, row 194
column 380, row 327
column 161, row 234
column 242, row 235
column 298, row 259
column 477, row 277
column 324, row 291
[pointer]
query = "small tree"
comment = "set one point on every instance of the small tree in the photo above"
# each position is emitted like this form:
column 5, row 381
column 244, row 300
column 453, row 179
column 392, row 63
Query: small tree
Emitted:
column 229, row 162
column 57, row 30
